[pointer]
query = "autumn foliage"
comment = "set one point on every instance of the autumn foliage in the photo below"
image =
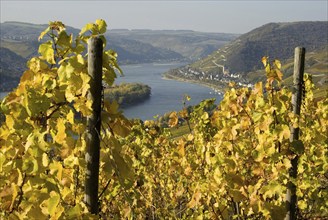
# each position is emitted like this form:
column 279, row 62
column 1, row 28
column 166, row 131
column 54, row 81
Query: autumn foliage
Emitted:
column 233, row 163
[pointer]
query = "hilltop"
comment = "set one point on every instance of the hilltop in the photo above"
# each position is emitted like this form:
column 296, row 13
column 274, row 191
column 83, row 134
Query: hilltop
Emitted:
column 192, row 45
column 240, row 60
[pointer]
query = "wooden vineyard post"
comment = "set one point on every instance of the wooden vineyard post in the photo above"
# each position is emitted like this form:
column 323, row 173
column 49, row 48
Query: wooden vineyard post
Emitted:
column 291, row 197
column 95, row 51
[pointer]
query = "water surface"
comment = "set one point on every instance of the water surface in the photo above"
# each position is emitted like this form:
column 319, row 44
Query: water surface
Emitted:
column 166, row 95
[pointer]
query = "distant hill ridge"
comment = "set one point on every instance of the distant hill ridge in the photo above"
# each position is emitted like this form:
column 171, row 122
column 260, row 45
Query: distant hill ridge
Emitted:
column 276, row 40
column 133, row 46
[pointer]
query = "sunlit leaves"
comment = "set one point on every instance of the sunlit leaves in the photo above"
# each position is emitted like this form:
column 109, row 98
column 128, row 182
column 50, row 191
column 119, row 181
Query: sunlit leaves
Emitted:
column 265, row 61
column 53, row 203
column 88, row 27
column 75, row 212
column 109, row 66
column 101, row 26
column 173, row 119
column 97, row 28
column 44, row 33
column 61, row 131
column 64, row 40
column 194, row 200
column 35, row 102
column 56, row 25
column 277, row 64
column 47, row 52
column 51, row 206
column 36, row 65
column 273, row 71
column 42, row 143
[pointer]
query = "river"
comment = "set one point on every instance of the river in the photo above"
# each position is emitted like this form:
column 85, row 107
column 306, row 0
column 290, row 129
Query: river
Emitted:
column 166, row 95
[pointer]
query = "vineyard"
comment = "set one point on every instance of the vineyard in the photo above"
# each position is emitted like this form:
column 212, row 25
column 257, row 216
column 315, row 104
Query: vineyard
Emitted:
column 234, row 162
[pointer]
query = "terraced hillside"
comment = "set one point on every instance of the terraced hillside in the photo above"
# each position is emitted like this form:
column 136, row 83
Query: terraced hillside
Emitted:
column 240, row 60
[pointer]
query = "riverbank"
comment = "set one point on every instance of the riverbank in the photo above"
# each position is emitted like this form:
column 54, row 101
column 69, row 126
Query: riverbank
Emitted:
column 220, row 89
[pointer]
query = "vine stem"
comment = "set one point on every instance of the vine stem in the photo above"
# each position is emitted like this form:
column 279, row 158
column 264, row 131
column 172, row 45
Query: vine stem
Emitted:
column 20, row 193
column 104, row 189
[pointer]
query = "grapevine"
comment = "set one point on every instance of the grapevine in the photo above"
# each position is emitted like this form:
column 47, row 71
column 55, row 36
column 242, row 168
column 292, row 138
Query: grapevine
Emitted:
column 232, row 164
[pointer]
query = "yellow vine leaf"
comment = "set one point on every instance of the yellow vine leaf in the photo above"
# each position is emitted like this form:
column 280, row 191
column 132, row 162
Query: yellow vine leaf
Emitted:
column 19, row 181
column 101, row 26
column 112, row 107
column 265, row 60
column 56, row 167
column 232, row 84
column 194, row 200
column 109, row 76
column 302, row 204
column 277, row 64
column 2, row 161
column 123, row 168
column 44, row 33
column 10, row 122
column 30, row 165
column 279, row 74
column 14, row 191
column 53, row 202
column 64, row 72
column 88, row 27
column 36, row 213
column 173, row 121
column 57, row 25
column 283, row 132
column 181, row 148
column 75, row 212
column 61, row 131
column 70, row 117
column 258, row 89
column 237, row 195
column 83, row 105
column 268, row 70
column 272, row 189
column 64, row 40
column 47, row 52
column 120, row 126
column 35, row 64
column 45, row 160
